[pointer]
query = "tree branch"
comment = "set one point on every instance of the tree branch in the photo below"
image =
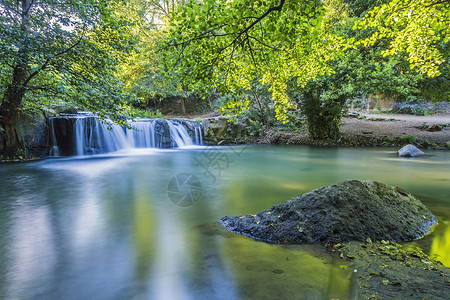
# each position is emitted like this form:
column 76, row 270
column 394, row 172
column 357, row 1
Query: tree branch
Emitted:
column 438, row 2
column 271, row 9
column 238, row 34
column 264, row 44
column 202, row 36
column 29, row 7
column 251, row 51
column 8, row 11
column 47, row 62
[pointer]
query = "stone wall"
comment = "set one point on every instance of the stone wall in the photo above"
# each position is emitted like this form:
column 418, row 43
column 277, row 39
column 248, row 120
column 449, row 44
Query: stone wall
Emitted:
column 32, row 131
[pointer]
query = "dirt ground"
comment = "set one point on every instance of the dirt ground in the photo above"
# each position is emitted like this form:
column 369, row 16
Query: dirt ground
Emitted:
column 375, row 130
column 380, row 125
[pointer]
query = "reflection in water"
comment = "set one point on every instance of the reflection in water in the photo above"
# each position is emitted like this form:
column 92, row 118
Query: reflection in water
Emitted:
column 306, row 272
column 143, row 237
column 104, row 227
column 33, row 243
column 440, row 245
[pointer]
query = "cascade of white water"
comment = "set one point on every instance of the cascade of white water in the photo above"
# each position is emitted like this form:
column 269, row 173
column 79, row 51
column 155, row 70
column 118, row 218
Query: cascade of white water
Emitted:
column 79, row 136
column 180, row 136
column 198, row 135
column 116, row 137
column 142, row 135
column 90, row 136
column 93, row 137
column 54, row 151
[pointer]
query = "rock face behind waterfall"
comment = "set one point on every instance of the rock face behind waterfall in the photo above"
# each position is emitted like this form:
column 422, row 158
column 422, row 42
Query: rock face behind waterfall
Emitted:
column 349, row 211
column 163, row 139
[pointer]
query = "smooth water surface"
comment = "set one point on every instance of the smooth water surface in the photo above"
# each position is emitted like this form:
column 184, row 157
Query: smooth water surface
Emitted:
column 108, row 227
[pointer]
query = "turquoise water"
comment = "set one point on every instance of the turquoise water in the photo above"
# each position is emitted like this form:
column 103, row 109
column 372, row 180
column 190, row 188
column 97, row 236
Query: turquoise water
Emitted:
column 107, row 227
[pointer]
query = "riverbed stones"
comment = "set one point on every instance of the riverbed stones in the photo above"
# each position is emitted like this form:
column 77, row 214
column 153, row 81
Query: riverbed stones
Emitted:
column 435, row 127
column 352, row 210
column 410, row 151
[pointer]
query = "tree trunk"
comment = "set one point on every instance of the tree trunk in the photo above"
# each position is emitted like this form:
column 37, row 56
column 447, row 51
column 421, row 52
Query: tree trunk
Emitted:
column 15, row 91
column 183, row 106
column 10, row 141
column 8, row 119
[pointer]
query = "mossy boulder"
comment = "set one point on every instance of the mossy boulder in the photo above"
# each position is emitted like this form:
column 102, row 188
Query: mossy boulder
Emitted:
column 219, row 130
column 349, row 211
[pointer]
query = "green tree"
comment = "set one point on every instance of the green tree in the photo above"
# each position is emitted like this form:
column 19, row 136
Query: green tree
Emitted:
column 226, row 44
column 143, row 72
column 61, row 50
column 229, row 43
column 416, row 27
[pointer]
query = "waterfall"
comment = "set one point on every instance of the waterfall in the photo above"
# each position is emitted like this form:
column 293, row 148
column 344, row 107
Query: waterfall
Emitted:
column 93, row 137
column 143, row 134
column 54, row 151
column 179, row 134
column 198, row 134
column 84, row 134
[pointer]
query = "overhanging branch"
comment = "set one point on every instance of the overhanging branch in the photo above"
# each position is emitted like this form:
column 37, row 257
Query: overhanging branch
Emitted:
column 210, row 33
column 47, row 62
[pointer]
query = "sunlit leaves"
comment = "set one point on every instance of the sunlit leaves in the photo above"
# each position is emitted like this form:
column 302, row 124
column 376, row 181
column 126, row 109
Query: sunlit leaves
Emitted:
column 144, row 71
column 416, row 27
column 226, row 43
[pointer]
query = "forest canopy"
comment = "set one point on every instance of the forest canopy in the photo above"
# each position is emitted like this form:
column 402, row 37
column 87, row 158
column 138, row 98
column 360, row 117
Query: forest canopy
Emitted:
column 226, row 43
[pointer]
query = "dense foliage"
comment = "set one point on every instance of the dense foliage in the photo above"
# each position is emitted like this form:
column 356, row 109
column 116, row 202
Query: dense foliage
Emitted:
column 417, row 27
column 226, row 44
column 143, row 72
column 61, row 51
column 389, row 49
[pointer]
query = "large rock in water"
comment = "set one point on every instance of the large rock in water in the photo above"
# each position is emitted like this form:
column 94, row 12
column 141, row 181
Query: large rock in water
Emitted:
column 349, row 211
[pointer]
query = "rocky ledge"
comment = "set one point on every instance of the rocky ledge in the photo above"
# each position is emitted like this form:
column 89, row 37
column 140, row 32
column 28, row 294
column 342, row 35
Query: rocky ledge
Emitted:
column 349, row 211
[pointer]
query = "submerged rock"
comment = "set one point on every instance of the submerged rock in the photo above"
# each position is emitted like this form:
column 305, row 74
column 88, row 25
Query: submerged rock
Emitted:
column 349, row 211
column 409, row 151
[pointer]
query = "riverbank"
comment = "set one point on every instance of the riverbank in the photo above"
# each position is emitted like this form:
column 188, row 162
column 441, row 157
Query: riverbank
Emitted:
column 387, row 270
column 363, row 130
column 370, row 130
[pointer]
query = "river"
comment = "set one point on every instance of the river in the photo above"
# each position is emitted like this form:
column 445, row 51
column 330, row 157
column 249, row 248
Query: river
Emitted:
column 140, row 224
